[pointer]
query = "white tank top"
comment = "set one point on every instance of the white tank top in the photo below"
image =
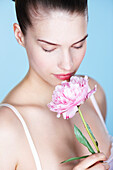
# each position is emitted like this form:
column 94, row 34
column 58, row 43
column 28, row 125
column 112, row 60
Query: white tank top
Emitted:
column 30, row 141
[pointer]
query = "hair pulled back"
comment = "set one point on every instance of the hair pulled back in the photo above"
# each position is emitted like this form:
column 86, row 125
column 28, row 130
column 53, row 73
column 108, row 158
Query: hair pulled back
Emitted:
column 23, row 8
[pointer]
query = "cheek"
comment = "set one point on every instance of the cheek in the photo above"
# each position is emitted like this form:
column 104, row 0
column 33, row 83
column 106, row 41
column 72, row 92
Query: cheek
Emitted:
column 79, row 57
column 82, row 52
column 40, row 62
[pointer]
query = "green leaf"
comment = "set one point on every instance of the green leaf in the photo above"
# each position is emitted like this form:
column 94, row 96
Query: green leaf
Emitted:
column 75, row 158
column 92, row 134
column 81, row 138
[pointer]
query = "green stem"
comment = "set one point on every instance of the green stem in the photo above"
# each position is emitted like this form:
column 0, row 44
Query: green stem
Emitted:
column 88, row 130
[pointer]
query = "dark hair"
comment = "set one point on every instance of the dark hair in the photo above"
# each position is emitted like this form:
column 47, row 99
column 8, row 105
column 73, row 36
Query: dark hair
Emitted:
column 23, row 8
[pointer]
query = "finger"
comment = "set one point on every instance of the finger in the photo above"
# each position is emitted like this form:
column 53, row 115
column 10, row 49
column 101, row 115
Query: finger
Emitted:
column 94, row 158
column 91, row 160
column 100, row 166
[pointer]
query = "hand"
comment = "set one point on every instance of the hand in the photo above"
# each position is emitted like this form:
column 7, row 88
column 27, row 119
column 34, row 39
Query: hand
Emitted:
column 93, row 162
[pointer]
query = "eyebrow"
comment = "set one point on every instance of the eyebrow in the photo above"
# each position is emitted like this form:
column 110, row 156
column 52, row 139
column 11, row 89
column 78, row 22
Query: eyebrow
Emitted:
column 47, row 42
column 80, row 40
column 50, row 43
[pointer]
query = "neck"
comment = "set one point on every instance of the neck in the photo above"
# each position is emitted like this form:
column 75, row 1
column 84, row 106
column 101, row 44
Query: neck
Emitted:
column 40, row 91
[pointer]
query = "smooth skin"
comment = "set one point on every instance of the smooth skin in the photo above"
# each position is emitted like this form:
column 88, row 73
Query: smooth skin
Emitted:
column 54, row 46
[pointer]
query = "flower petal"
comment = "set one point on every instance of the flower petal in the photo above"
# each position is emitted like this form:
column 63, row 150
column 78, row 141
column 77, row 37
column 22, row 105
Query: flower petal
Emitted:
column 70, row 112
column 68, row 95
column 91, row 92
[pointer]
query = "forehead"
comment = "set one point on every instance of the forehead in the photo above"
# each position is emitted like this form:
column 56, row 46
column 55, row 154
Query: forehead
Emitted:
column 57, row 25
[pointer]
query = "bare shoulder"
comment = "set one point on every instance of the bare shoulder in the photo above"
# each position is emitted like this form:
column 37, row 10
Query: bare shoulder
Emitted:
column 99, row 95
column 8, row 139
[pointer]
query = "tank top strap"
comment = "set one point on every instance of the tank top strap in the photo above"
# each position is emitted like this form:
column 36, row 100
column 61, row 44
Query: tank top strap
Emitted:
column 94, row 102
column 30, row 141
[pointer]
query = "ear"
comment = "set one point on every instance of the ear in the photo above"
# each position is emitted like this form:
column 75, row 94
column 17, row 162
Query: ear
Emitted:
column 18, row 34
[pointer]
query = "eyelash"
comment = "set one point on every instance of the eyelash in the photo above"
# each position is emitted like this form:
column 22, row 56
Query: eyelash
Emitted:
column 78, row 47
column 48, row 50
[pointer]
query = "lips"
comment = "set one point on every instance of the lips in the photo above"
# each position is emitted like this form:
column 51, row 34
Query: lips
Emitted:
column 64, row 76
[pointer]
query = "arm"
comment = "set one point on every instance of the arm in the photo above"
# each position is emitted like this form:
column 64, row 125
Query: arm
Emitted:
column 8, row 138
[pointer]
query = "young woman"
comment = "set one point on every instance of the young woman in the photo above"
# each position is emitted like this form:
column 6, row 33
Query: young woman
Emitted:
column 31, row 137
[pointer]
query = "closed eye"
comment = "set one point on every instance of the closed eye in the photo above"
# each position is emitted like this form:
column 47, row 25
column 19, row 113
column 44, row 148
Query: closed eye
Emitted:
column 80, row 43
column 78, row 47
column 48, row 50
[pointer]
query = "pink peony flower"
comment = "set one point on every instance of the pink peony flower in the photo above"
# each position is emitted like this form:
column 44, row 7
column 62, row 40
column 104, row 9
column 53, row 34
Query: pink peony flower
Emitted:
column 69, row 95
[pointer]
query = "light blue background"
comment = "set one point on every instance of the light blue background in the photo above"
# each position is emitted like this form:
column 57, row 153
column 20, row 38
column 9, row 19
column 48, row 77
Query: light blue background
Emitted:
column 98, row 62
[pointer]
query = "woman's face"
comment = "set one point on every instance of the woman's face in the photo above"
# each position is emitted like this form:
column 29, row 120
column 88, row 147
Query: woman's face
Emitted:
column 56, row 46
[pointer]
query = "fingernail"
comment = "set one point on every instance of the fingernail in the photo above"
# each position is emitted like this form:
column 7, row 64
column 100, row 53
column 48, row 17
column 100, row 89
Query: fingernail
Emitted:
column 106, row 165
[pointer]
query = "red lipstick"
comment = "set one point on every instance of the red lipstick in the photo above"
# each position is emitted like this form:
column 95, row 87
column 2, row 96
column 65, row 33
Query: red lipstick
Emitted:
column 63, row 76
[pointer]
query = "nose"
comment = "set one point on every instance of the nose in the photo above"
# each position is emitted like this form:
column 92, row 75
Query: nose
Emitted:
column 66, row 61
